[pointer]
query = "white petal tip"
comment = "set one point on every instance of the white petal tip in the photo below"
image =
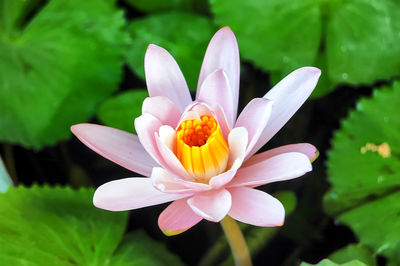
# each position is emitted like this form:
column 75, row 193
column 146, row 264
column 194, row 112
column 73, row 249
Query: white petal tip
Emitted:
column 312, row 70
column 76, row 128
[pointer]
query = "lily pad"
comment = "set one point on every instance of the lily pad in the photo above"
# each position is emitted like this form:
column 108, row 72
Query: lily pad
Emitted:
column 358, row 39
column 56, row 67
column 184, row 35
column 56, row 226
column 60, row 226
column 363, row 169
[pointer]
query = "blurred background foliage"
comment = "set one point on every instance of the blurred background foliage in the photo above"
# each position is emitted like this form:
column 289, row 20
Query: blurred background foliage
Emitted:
column 67, row 61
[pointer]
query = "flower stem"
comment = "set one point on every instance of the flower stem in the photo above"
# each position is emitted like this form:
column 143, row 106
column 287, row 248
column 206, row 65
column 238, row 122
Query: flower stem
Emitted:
column 236, row 241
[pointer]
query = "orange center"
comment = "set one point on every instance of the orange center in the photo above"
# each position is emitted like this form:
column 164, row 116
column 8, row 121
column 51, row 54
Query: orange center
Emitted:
column 195, row 132
column 201, row 148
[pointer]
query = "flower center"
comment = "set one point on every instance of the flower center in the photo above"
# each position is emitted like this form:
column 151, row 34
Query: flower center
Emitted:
column 201, row 148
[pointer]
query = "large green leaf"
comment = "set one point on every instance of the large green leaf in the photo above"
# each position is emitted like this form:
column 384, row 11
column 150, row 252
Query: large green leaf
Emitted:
column 60, row 226
column 121, row 110
column 363, row 40
column 354, row 41
column 363, row 169
column 184, row 35
column 55, row 68
column 275, row 35
column 56, row 226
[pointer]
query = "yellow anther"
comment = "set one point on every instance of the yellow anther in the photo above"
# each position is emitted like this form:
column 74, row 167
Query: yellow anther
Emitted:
column 201, row 148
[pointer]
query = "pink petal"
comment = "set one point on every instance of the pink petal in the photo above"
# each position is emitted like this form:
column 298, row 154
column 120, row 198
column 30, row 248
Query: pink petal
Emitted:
column 116, row 145
column 221, row 119
column 237, row 142
column 167, row 182
column 211, row 205
column 256, row 207
column 220, row 180
column 309, row 150
column 164, row 78
column 163, row 109
column 288, row 95
column 146, row 125
column 130, row 193
column 177, row 218
column 254, row 118
column 216, row 90
column 223, row 53
column 167, row 136
column 278, row 168
column 169, row 159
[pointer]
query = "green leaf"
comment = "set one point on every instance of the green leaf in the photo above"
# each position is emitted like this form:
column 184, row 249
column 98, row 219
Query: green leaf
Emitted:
column 354, row 41
column 56, row 226
column 55, row 68
column 5, row 179
column 363, row 169
column 363, row 40
column 278, row 35
column 121, row 110
column 327, row 262
column 354, row 251
column 138, row 249
column 184, row 35
column 60, row 226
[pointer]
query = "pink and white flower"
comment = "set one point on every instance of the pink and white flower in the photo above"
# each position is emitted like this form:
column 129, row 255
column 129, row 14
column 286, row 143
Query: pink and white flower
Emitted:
column 196, row 153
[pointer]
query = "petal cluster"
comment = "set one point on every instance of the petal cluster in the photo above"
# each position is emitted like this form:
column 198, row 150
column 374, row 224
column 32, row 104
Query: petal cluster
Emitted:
column 199, row 154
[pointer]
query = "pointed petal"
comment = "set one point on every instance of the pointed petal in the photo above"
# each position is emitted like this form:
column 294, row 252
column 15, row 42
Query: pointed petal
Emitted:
column 146, row 126
column 169, row 159
column 220, row 180
column 222, row 120
column 167, row 182
column 237, row 141
column 223, row 53
column 288, row 95
column 164, row 78
column 305, row 148
column 278, row 168
column 177, row 218
column 216, row 90
column 163, row 109
column 254, row 118
column 116, row 145
column 211, row 205
column 167, row 136
column 256, row 207
column 130, row 193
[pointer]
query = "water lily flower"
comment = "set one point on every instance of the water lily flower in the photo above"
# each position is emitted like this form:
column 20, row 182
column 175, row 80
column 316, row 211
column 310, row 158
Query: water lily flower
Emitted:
column 196, row 153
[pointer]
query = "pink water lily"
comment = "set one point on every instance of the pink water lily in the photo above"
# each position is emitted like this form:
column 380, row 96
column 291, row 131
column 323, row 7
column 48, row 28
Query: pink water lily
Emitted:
column 196, row 153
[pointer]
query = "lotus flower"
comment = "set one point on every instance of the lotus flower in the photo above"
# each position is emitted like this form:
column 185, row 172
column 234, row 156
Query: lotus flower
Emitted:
column 196, row 153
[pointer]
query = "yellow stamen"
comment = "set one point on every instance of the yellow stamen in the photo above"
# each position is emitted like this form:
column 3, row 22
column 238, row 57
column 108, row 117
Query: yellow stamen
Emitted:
column 201, row 148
